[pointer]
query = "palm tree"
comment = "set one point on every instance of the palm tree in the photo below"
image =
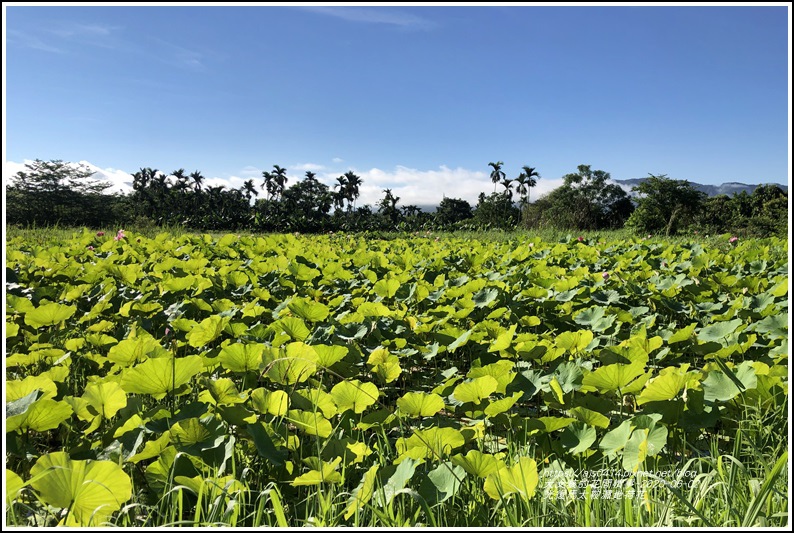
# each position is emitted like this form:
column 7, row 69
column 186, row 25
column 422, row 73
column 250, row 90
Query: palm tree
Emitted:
column 198, row 179
column 352, row 183
column 508, row 185
column 342, row 195
column 528, row 181
column 497, row 174
column 249, row 189
column 268, row 183
column 280, row 179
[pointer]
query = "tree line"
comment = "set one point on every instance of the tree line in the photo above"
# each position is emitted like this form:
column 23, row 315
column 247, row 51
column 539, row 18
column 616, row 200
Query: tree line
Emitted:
column 49, row 193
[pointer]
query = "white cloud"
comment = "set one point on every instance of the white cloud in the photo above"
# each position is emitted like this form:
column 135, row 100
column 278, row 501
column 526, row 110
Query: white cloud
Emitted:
column 314, row 167
column 338, row 160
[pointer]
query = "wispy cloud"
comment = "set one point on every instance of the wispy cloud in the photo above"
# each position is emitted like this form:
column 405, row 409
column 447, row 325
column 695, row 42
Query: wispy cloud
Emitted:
column 61, row 37
column 338, row 160
column 375, row 15
column 27, row 40
column 180, row 56
column 314, row 167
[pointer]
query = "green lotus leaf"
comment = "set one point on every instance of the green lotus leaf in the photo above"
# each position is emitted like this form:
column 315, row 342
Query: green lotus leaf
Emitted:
column 293, row 327
column 49, row 314
column 503, row 405
column 398, row 477
column 773, row 326
column 309, row 310
column 224, row 391
column 354, row 395
column 275, row 403
column 500, row 370
column 327, row 356
column 460, row 341
column 264, row 445
column 665, row 386
column 485, row 297
column 683, row 334
column 441, row 483
column 303, row 272
column 614, row 377
column 106, row 398
column 476, row 389
column 17, row 389
column 420, row 404
column 135, row 349
column 578, row 437
column 207, row 331
column 384, row 364
column 310, row 423
column 12, row 328
column 362, row 494
column 313, row 400
column 477, row 463
column 90, row 490
column 197, row 434
column 373, row 309
column 289, row 370
column 590, row 417
column 574, row 341
column 177, row 284
column 41, row 415
column 386, row 288
column 722, row 386
column 13, row 484
column 644, row 442
column 520, row 479
column 160, row 376
column 616, row 439
column 718, row 331
column 241, row 357
column 152, row 448
column 326, row 474
column 236, row 415
column 430, row 443
column 547, row 424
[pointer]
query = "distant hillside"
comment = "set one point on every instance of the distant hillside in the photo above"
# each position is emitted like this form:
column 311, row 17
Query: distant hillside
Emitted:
column 712, row 190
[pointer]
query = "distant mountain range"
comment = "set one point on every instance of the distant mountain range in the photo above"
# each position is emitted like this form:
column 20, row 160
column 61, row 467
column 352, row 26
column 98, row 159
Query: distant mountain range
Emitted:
column 729, row 188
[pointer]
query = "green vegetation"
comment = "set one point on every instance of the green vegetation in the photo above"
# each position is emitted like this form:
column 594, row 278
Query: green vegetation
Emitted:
column 598, row 380
column 53, row 193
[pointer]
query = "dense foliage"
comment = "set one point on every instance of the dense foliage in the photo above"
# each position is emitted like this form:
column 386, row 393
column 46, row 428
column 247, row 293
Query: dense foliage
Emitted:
column 344, row 381
column 50, row 193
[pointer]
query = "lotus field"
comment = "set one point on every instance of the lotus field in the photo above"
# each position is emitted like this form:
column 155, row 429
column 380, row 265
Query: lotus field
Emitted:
column 338, row 380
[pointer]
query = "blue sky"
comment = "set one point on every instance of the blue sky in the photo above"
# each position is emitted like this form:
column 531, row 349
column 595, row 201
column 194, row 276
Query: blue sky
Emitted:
column 419, row 99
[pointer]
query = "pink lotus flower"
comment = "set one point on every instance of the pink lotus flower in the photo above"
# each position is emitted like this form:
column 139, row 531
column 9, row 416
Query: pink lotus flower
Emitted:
column 120, row 235
column 733, row 239
column 91, row 248
column 100, row 233
column 580, row 238
column 605, row 275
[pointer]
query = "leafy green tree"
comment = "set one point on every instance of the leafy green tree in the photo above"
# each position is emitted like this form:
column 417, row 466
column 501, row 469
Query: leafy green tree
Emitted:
column 665, row 205
column 57, row 192
column 451, row 211
column 585, row 201
column 495, row 211
column 387, row 208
